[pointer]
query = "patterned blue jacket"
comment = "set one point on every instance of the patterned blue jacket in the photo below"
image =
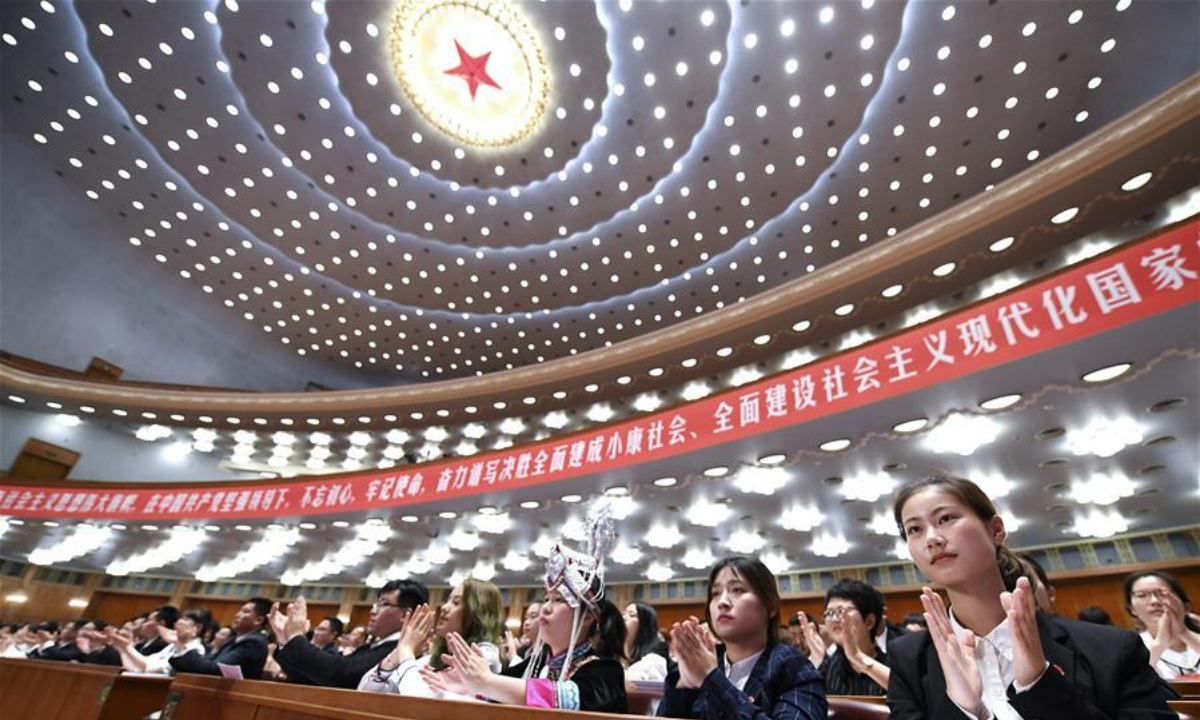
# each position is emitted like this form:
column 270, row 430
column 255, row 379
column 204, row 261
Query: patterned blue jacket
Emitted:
column 782, row 686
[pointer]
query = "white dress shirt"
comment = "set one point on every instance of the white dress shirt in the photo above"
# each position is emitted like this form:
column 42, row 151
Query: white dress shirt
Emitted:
column 406, row 678
column 1174, row 663
column 994, row 653
column 739, row 672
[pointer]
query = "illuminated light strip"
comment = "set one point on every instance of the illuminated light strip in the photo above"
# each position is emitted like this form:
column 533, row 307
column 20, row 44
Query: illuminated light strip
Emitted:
column 270, row 547
column 366, row 542
column 84, row 539
column 181, row 542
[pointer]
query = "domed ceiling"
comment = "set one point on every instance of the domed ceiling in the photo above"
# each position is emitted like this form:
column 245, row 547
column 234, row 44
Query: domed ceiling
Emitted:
column 430, row 190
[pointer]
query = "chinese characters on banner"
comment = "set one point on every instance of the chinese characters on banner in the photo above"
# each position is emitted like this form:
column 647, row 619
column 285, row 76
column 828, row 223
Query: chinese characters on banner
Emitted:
column 1136, row 282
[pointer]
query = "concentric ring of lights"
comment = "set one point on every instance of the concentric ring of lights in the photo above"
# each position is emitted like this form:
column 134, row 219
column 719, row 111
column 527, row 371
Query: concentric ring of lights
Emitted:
column 414, row 19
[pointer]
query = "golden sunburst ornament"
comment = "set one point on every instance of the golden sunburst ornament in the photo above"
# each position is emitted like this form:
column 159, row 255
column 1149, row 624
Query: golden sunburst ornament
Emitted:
column 474, row 69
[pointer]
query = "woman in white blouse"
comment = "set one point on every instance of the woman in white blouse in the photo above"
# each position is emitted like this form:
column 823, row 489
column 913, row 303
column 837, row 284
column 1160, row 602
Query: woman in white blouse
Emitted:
column 181, row 639
column 1161, row 606
column 473, row 611
column 645, row 650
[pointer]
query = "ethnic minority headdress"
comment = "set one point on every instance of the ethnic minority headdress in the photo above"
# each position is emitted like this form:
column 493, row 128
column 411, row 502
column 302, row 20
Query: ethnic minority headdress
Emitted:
column 578, row 575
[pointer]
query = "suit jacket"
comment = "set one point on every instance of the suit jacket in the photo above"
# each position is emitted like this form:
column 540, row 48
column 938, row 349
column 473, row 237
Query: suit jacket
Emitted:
column 249, row 653
column 105, row 655
column 783, row 685
column 307, row 664
column 62, row 652
column 151, row 646
column 1096, row 673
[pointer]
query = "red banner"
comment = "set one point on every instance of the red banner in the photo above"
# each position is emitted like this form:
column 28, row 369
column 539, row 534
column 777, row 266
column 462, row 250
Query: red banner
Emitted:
column 1136, row 282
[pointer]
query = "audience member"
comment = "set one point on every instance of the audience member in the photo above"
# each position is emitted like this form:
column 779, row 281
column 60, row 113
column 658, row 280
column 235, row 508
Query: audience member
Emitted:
column 1095, row 614
column 306, row 664
column 1161, row 607
column 353, row 640
column 731, row 666
column 914, row 622
column 645, row 652
column 151, row 641
column 325, row 635
column 63, row 649
column 518, row 649
column 247, row 650
column 472, row 612
column 93, row 643
column 182, row 638
column 854, row 613
column 1043, row 591
column 993, row 654
column 222, row 635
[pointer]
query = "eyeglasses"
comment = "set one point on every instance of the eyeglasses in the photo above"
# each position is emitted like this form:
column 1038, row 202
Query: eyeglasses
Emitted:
column 1147, row 594
column 380, row 604
column 837, row 612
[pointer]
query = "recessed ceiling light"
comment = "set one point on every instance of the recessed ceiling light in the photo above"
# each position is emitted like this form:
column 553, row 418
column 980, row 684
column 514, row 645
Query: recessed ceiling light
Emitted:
column 531, row 504
column 1002, row 244
column 306, row 526
column 716, row 471
column 909, row 426
column 773, row 459
column 835, row 445
column 572, row 498
column 1001, row 402
column 1105, row 374
column 617, row 491
column 447, row 515
column 944, row 269
column 665, row 481
column 340, row 524
column 409, row 518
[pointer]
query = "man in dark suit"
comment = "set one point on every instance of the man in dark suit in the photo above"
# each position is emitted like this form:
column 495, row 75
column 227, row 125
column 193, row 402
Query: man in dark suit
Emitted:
column 307, row 664
column 247, row 649
column 164, row 616
column 65, row 649
column 1094, row 673
column 325, row 635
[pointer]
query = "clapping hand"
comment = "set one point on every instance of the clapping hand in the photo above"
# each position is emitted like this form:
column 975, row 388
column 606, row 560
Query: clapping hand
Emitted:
column 816, row 644
column 290, row 625
column 417, row 631
column 964, row 684
column 696, row 651
column 467, row 672
column 1029, row 661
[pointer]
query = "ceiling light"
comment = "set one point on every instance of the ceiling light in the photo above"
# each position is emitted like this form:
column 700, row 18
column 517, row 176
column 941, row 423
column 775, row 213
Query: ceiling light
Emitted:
column 1105, row 437
column 1105, row 374
column 515, row 562
column 761, row 480
column 1002, row 244
column 774, row 459
column 530, row 504
column 600, row 413
column 910, row 426
column 830, row 545
column 944, row 269
column 395, row 437
column 716, row 471
column 962, row 434
column 695, row 391
column 882, row 523
column 556, row 420
column 663, row 537
column 1001, row 402
column 801, row 518
column 868, row 487
column 658, row 572
column 744, row 542
column 1103, row 489
column 572, row 498
column 67, row 420
column 1136, row 182
column 835, row 445
column 665, row 481
column 698, row 559
column 617, row 491
column 150, row 433
column 16, row 598
column 647, row 403
column 496, row 524
column 626, row 555
column 994, row 485
column 901, row 551
column 435, row 434
column 1100, row 524
column 181, row 542
column 464, row 540
column 317, row 438
column 474, row 431
column 512, row 426
column 81, row 541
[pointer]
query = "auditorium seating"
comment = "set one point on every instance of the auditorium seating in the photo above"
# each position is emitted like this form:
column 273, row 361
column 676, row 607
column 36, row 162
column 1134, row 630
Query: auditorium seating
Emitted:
column 34, row 690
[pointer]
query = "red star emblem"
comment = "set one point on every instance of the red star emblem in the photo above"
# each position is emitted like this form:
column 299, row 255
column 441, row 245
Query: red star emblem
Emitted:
column 473, row 70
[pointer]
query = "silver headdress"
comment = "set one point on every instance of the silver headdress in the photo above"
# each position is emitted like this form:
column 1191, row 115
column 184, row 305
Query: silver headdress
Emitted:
column 578, row 575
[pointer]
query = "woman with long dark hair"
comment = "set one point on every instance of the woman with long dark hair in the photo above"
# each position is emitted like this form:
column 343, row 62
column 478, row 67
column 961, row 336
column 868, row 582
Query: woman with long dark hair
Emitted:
column 732, row 665
column 992, row 654
column 645, row 652
column 1161, row 607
